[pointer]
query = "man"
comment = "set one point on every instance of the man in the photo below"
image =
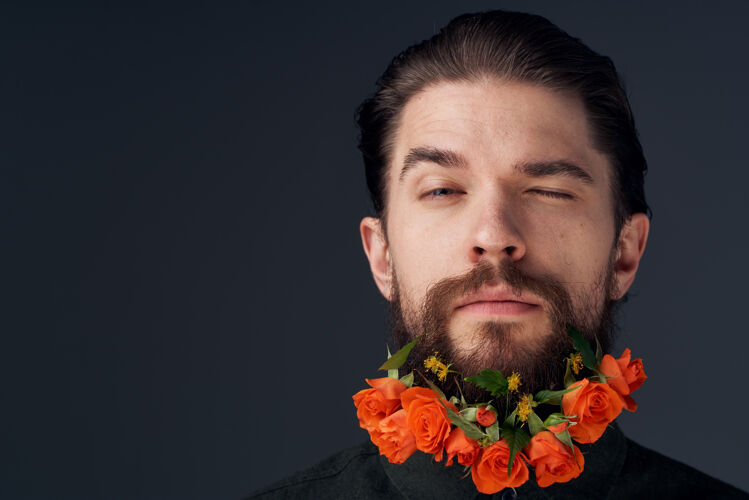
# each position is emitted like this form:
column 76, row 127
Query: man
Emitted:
column 508, row 186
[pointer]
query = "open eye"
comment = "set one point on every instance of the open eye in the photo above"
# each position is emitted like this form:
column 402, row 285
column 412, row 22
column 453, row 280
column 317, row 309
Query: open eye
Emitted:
column 441, row 192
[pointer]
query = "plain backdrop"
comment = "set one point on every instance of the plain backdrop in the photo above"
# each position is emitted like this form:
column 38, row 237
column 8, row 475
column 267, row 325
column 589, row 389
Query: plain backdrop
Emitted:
column 186, row 307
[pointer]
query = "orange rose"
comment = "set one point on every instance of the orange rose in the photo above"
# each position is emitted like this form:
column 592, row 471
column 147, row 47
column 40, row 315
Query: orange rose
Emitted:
column 595, row 405
column 560, row 427
column 460, row 445
column 393, row 437
column 490, row 471
column 552, row 460
column 485, row 417
column 372, row 405
column 427, row 419
column 625, row 376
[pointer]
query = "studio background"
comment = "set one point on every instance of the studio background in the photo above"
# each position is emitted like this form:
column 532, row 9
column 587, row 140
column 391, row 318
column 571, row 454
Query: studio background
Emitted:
column 186, row 305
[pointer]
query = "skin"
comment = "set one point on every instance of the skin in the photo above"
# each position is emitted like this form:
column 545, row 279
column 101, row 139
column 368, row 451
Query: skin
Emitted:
column 442, row 221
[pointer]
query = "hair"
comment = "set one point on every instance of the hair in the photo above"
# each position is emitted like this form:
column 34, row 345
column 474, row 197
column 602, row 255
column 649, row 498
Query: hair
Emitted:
column 510, row 46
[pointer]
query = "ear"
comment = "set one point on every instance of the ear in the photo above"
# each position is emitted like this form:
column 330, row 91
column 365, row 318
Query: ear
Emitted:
column 378, row 253
column 632, row 240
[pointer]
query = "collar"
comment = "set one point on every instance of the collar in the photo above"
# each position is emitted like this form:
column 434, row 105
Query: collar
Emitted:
column 421, row 477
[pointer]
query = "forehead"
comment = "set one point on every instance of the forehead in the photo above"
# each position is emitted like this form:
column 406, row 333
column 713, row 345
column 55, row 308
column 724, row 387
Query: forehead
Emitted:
column 494, row 123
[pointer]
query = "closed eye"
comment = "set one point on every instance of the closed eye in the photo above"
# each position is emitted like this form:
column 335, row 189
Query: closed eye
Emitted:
column 553, row 194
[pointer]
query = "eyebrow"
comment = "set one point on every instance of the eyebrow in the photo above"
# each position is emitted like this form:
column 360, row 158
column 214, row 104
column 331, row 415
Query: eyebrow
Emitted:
column 451, row 159
column 557, row 167
column 441, row 157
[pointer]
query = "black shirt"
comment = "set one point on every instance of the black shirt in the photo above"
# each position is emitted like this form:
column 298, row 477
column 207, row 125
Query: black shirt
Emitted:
column 615, row 468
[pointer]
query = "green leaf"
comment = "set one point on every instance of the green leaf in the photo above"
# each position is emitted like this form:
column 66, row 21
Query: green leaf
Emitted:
column 394, row 372
column 471, row 430
column 553, row 397
column 565, row 438
column 510, row 420
column 599, row 353
column 408, row 379
column 396, row 360
column 491, row 381
column 534, row 424
column 516, row 439
column 582, row 345
column 469, row 413
column 493, row 431
column 600, row 376
column 569, row 378
column 556, row 418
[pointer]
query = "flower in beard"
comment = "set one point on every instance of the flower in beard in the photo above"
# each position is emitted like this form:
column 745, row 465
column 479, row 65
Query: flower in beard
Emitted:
column 382, row 400
column 427, row 419
column 552, row 460
column 490, row 471
column 461, row 446
column 394, row 438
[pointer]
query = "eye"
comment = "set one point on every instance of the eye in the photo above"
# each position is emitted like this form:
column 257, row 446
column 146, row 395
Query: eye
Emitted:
column 438, row 193
column 553, row 194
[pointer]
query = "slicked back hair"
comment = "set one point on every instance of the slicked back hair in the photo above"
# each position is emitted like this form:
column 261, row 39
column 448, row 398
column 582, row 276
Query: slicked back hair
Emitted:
column 509, row 46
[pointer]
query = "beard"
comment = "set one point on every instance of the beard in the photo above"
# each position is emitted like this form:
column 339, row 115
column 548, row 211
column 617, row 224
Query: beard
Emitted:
column 541, row 364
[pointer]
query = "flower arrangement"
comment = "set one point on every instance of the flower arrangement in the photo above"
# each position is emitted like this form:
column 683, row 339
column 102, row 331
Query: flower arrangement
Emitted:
column 402, row 417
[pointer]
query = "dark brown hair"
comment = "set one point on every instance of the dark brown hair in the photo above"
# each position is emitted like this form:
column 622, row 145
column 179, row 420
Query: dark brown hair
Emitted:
column 517, row 47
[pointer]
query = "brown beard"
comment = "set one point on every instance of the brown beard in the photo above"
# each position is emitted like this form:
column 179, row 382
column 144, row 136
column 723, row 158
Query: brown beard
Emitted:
column 540, row 366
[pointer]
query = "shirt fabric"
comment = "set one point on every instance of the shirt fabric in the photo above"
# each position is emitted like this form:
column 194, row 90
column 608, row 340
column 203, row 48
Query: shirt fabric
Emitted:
column 615, row 468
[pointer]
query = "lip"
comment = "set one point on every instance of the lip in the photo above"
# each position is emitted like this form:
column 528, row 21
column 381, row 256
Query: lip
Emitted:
column 498, row 294
column 498, row 300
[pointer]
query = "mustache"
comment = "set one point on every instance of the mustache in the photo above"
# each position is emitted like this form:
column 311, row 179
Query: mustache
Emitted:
column 443, row 294
column 495, row 344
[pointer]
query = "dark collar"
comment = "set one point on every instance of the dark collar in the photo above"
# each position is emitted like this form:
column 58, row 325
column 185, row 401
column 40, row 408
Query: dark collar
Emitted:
column 421, row 477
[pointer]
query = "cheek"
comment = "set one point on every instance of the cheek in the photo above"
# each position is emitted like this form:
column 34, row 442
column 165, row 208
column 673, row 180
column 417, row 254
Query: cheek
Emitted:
column 572, row 250
column 421, row 257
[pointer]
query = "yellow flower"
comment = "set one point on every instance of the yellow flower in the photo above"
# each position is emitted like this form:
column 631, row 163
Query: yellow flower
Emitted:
column 577, row 362
column 430, row 362
column 524, row 408
column 436, row 366
column 513, row 382
column 442, row 372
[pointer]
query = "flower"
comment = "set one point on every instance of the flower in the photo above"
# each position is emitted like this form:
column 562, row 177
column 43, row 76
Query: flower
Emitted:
column 372, row 405
column 624, row 376
column 513, row 382
column 431, row 362
column 485, row 416
column 490, row 470
column 577, row 362
column 560, row 427
column 401, row 420
column 427, row 419
column 393, row 437
column 524, row 408
column 436, row 366
column 460, row 445
column 552, row 460
column 595, row 405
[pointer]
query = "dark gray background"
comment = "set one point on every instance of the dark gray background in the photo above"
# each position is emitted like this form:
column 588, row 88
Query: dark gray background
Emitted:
column 186, row 307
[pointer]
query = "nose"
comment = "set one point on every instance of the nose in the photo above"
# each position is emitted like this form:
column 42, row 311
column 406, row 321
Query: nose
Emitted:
column 495, row 232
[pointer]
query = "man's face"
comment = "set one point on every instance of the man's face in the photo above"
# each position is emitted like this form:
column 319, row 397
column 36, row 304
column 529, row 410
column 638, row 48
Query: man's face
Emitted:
column 500, row 224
